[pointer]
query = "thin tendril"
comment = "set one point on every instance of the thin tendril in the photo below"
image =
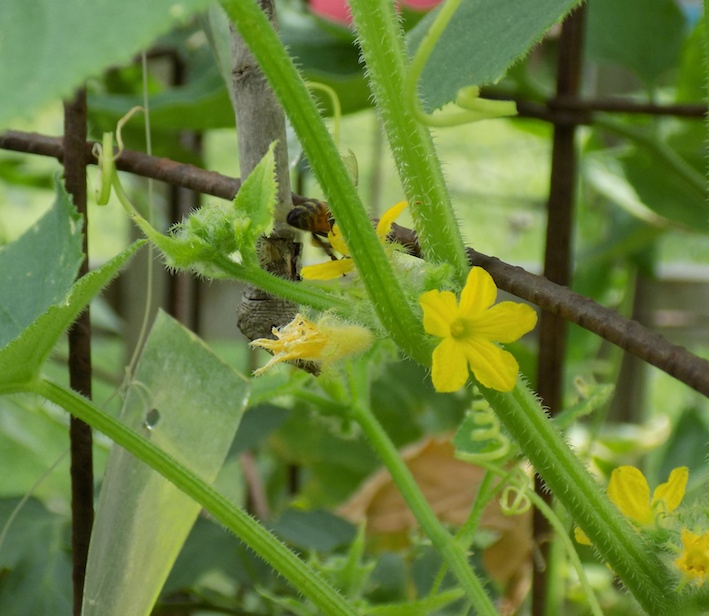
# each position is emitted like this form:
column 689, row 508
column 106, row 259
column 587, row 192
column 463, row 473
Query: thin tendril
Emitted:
column 336, row 107
column 483, row 415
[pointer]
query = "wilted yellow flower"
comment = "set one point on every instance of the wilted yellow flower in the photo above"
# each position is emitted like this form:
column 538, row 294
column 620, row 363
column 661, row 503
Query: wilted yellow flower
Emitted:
column 630, row 492
column 693, row 562
column 335, row 269
column 471, row 330
column 326, row 342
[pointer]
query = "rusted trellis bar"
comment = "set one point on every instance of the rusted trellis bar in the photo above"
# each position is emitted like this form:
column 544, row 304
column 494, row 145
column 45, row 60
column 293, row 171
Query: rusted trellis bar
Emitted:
column 81, row 471
column 605, row 322
column 557, row 268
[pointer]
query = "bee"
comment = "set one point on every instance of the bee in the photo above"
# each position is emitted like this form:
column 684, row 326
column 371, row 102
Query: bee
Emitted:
column 313, row 216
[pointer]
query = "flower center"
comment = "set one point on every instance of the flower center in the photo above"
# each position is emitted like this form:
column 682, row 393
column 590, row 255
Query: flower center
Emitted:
column 696, row 561
column 459, row 328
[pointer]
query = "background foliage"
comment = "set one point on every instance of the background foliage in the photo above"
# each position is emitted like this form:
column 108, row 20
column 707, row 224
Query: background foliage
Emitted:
column 640, row 246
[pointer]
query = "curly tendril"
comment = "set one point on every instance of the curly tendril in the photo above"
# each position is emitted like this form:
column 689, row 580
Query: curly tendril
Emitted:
column 489, row 430
column 107, row 162
column 515, row 496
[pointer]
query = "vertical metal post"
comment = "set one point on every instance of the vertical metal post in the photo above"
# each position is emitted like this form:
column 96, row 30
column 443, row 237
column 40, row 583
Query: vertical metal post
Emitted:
column 558, row 260
column 82, row 478
column 183, row 289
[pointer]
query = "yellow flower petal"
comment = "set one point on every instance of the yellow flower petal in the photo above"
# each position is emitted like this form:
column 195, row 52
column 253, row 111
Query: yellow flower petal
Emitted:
column 581, row 536
column 384, row 224
column 671, row 492
column 450, row 368
column 299, row 339
column 628, row 489
column 327, row 270
column 326, row 342
column 479, row 292
column 505, row 322
column 439, row 310
column 492, row 366
column 337, row 241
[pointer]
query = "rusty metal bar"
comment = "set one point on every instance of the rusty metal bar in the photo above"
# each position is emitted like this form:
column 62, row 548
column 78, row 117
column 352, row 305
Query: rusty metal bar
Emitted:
column 81, row 447
column 558, row 258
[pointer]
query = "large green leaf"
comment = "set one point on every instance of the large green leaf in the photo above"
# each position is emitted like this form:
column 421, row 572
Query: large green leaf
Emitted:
column 691, row 86
column 22, row 358
column 645, row 36
column 483, row 39
column 209, row 550
column 665, row 193
column 49, row 48
column 189, row 403
column 39, row 267
column 35, row 561
column 635, row 182
column 316, row 530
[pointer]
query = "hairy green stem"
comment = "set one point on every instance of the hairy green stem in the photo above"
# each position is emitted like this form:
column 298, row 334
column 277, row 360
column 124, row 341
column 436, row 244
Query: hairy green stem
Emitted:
column 617, row 542
column 259, row 539
column 383, row 288
column 453, row 555
column 287, row 289
column 383, row 48
column 464, row 536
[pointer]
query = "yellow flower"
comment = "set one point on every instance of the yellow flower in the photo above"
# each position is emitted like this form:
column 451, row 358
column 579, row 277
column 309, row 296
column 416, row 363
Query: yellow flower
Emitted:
column 470, row 330
column 335, row 269
column 326, row 342
column 694, row 560
column 630, row 492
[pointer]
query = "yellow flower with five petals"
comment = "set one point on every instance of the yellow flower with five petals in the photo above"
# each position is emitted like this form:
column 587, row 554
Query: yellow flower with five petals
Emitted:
column 470, row 330
column 334, row 269
column 630, row 492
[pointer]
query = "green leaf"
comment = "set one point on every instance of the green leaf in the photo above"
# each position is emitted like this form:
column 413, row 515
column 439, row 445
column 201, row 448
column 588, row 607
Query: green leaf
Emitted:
column 645, row 36
column 35, row 561
column 422, row 607
column 33, row 437
column 635, row 182
column 201, row 104
column 665, row 193
column 52, row 47
column 483, row 39
column 255, row 201
column 39, row 267
column 257, row 426
column 209, row 549
column 327, row 57
column 317, row 530
column 22, row 358
column 188, row 403
column 691, row 86
column 335, row 466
